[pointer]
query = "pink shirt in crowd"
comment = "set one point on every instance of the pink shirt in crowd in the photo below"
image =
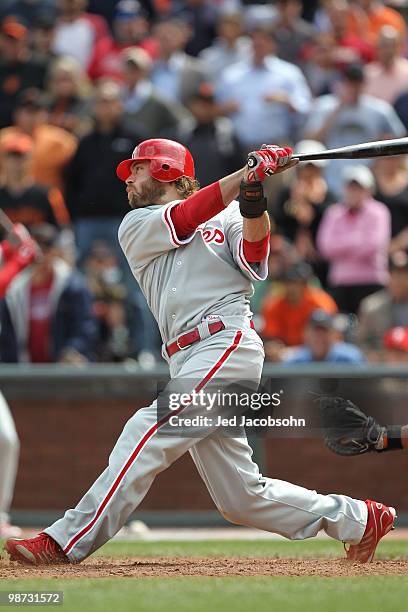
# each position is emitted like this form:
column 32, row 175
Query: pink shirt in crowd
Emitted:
column 356, row 243
column 387, row 84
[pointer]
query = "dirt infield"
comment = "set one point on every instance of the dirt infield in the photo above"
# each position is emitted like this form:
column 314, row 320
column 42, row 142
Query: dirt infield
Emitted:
column 142, row 567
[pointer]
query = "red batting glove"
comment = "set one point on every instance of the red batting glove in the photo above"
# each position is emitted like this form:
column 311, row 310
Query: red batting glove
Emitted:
column 266, row 161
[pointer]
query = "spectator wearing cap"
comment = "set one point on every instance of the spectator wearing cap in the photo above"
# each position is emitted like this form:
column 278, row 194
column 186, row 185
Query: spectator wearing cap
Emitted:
column 53, row 146
column 300, row 206
column 77, row 32
column 230, row 46
column 285, row 316
column 322, row 343
column 175, row 74
column 131, row 29
column 146, row 110
column 354, row 237
column 396, row 345
column 293, row 34
column 211, row 138
column 387, row 78
column 387, row 308
column 18, row 68
column 349, row 117
column 46, row 315
column 21, row 198
column 266, row 97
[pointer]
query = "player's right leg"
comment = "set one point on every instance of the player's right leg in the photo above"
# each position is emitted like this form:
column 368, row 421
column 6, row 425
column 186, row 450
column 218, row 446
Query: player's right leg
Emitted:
column 137, row 457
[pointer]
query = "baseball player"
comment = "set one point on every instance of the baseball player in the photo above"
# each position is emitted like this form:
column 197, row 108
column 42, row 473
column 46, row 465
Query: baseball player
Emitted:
column 16, row 253
column 195, row 254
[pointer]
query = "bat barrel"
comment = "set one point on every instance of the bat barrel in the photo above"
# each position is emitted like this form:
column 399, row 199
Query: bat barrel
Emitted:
column 367, row 150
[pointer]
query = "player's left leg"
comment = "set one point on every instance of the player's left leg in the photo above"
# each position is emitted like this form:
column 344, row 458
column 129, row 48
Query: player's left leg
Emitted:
column 9, row 453
column 245, row 497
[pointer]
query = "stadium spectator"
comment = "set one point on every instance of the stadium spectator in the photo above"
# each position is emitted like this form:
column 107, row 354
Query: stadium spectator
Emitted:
column 369, row 16
column 77, row 32
column 175, row 74
column 211, row 138
column 18, row 69
column 23, row 200
column 46, row 315
column 96, row 200
column 266, row 96
column 68, row 97
column 351, row 46
column 387, row 78
column 130, row 29
column 42, row 38
column 201, row 17
column 230, row 46
column 322, row 343
column 301, row 204
column 28, row 10
column 396, row 345
column 105, row 280
column 146, row 110
column 354, row 236
column 349, row 117
column 385, row 309
column 285, row 316
column 320, row 66
column 53, row 146
column 292, row 33
column 391, row 176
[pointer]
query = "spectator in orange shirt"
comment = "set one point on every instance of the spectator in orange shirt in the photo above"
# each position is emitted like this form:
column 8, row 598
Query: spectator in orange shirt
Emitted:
column 285, row 317
column 22, row 199
column 53, row 146
column 369, row 16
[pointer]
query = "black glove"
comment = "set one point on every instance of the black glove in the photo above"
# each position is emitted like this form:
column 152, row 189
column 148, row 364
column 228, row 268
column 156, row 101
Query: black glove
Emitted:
column 347, row 430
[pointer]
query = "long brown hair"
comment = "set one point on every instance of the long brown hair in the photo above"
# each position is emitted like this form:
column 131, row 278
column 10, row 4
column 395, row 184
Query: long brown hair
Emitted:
column 186, row 186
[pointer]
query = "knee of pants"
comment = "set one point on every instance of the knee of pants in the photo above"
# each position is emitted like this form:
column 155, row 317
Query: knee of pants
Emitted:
column 241, row 511
column 9, row 442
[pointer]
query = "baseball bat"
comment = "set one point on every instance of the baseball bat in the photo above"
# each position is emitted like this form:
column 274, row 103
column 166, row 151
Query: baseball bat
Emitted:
column 365, row 150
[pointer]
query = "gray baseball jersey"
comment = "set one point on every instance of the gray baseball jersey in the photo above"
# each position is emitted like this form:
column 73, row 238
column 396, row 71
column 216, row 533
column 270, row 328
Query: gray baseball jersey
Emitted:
column 209, row 264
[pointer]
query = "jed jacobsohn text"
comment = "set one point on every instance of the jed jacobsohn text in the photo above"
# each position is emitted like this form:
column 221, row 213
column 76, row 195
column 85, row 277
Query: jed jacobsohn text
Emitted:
column 254, row 401
column 234, row 421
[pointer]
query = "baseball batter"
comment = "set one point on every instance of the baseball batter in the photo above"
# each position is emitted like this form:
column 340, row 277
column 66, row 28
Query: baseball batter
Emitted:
column 195, row 254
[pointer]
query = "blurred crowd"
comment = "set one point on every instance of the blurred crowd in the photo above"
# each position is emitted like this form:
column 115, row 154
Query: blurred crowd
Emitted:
column 82, row 82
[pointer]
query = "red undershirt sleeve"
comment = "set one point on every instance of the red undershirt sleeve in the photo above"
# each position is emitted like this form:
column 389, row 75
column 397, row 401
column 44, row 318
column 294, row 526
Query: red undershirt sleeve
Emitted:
column 196, row 209
column 254, row 252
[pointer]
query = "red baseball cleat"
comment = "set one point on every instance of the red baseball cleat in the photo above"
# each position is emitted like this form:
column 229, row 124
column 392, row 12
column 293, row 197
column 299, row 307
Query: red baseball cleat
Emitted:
column 41, row 550
column 379, row 522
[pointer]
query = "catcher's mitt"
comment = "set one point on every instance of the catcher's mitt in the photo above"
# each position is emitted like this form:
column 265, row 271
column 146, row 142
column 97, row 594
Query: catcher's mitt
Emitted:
column 347, row 430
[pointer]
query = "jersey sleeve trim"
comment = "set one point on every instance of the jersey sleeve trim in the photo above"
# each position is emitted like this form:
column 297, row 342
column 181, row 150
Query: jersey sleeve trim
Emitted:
column 247, row 267
column 166, row 216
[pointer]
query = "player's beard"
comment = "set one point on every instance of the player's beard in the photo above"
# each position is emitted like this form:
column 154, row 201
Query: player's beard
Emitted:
column 150, row 192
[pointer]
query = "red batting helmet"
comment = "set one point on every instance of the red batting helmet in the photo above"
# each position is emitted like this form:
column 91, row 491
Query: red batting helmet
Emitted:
column 169, row 160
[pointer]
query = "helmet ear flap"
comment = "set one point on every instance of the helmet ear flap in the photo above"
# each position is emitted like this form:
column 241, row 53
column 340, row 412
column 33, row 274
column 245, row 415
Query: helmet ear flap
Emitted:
column 163, row 171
